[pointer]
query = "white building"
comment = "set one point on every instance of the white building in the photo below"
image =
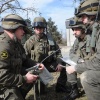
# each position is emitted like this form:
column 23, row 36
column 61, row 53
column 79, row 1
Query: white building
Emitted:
column 70, row 36
column 1, row 30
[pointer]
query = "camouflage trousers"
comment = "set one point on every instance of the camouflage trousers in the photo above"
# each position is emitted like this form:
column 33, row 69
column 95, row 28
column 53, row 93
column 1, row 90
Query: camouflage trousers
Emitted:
column 72, row 78
column 90, row 81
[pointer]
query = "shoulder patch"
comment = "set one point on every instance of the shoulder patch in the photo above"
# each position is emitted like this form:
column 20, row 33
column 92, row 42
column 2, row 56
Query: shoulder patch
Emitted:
column 4, row 55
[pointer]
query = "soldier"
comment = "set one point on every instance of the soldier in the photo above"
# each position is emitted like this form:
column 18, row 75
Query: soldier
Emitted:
column 41, row 45
column 89, row 11
column 13, row 60
column 90, row 19
column 78, row 53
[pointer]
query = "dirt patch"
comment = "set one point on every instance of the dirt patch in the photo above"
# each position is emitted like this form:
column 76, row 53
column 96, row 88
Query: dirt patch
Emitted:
column 51, row 94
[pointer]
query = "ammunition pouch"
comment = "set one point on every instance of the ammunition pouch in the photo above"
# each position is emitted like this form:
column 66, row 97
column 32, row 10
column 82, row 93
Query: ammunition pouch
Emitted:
column 39, row 52
column 35, row 56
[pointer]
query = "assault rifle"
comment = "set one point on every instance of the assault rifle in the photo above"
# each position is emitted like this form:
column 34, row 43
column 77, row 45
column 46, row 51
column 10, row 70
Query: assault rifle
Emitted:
column 44, row 75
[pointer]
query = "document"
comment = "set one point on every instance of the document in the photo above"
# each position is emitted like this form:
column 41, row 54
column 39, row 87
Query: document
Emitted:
column 45, row 76
column 68, row 61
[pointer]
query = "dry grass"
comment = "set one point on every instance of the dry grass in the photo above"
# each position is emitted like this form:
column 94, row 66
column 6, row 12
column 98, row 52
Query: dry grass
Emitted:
column 51, row 94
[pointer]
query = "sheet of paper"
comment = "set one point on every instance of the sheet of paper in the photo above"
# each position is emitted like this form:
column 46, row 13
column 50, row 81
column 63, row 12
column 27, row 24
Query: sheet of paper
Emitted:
column 45, row 76
column 69, row 61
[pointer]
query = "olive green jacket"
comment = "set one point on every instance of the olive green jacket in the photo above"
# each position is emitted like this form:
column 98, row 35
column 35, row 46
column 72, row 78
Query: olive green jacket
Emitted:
column 93, row 64
column 12, row 62
column 80, row 49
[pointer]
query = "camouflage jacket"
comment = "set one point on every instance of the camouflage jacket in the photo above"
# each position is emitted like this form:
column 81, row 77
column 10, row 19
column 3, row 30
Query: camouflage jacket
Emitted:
column 80, row 49
column 37, row 49
column 93, row 64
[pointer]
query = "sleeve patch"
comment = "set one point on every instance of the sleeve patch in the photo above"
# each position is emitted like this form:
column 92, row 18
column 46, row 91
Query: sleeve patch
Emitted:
column 4, row 54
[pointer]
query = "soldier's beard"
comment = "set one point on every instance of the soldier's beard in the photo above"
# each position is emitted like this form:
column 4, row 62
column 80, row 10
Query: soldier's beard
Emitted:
column 79, row 36
column 39, row 35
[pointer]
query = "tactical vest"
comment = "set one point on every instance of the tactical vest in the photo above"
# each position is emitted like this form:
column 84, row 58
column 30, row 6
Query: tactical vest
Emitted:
column 91, row 42
column 83, row 50
column 42, row 48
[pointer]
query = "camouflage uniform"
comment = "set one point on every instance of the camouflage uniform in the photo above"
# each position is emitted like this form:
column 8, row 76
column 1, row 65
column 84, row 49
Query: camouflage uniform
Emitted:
column 39, row 48
column 90, row 74
column 90, row 77
column 79, row 52
column 13, row 62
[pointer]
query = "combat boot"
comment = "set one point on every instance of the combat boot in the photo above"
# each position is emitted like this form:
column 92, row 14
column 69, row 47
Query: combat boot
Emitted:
column 62, row 88
column 73, row 94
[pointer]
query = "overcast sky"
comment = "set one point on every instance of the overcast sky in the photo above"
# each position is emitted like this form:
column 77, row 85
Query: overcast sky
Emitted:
column 58, row 10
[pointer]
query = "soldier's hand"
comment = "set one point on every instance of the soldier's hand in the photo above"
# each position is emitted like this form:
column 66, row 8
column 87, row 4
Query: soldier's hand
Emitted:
column 30, row 78
column 70, row 69
column 59, row 68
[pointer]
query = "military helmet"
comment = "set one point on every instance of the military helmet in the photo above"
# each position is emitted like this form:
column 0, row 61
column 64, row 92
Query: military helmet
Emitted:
column 88, row 7
column 12, row 21
column 76, row 23
column 39, row 22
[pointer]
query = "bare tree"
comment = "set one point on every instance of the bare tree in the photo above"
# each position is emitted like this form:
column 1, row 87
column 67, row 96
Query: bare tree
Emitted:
column 13, row 6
